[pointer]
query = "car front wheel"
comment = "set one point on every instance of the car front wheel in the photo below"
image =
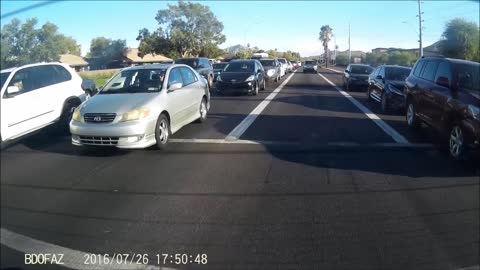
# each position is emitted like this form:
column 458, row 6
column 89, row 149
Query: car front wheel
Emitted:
column 384, row 103
column 162, row 132
column 457, row 143
column 203, row 111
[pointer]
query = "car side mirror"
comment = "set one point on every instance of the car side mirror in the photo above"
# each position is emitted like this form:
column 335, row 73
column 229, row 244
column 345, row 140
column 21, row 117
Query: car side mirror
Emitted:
column 200, row 66
column 12, row 90
column 174, row 87
column 259, row 70
column 443, row 81
column 346, row 70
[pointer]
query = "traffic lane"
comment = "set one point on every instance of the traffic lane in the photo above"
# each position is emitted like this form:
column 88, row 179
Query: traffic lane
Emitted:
column 226, row 112
column 308, row 110
column 395, row 118
column 304, row 209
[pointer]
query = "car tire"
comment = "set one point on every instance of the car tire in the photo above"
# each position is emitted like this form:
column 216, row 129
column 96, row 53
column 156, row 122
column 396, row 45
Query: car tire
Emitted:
column 210, row 81
column 63, row 124
column 162, row 132
column 255, row 89
column 456, row 143
column 369, row 97
column 347, row 86
column 384, row 103
column 263, row 85
column 412, row 120
column 203, row 111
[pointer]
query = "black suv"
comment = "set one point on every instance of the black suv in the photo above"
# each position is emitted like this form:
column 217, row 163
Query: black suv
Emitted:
column 201, row 65
column 445, row 94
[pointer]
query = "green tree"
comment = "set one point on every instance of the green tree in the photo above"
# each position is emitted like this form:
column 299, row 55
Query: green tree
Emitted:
column 272, row 53
column 460, row 39
column 185, row 29
column 342, row 60
column 325, row 36
column 24, row 43
column 400, row 58
column 105, row 50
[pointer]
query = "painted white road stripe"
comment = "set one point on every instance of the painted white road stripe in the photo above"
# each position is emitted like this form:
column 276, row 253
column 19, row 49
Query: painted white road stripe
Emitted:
column 298, row 143
column 245, row 124
column 475, row 267
column 72, row 259
column 397, row 137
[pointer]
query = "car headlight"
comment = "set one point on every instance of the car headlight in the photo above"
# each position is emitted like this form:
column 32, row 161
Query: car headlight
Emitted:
column 251, row 78
column 135, row 114
column 219, row 79
column 270, row 72
column 395, row 90
column 77, row 116
column 474, row 112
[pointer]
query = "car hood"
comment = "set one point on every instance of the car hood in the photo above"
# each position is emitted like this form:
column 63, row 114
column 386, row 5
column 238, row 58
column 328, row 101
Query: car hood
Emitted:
column 238, row 76
column 116, row 103
column 359, row 76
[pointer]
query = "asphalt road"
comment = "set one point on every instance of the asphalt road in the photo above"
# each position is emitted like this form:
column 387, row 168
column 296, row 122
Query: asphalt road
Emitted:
column 323, row 187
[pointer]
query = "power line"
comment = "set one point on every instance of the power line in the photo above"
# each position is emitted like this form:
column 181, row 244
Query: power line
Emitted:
column 27, row 8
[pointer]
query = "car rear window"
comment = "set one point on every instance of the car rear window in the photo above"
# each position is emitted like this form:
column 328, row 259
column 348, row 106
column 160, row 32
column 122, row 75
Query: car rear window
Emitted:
column 267, row 62
column 189, row 62
column 219, row 66
column 418, row 68
column 309, row 62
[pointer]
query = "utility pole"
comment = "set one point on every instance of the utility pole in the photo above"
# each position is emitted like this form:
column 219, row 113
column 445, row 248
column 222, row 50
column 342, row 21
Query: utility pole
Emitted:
column 420, row 26
column 349, row 48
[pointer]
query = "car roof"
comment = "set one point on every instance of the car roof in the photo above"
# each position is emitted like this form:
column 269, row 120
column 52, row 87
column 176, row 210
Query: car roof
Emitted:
column 360, row 65
column 244, row 60
column 266, row 58
column 154, row 66
column 395, row 66
column 31, row 65
column 192, row 58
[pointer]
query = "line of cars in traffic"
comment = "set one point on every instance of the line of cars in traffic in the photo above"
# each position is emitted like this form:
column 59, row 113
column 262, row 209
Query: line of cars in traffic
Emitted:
column 442, row 93
column 138, row 107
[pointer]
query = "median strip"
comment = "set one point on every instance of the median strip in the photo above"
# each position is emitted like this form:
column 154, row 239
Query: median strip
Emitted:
column 248, row 121
column 397, row 137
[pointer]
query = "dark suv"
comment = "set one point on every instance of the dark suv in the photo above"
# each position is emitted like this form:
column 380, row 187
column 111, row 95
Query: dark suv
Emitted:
column 201, row 65
column 445, row 94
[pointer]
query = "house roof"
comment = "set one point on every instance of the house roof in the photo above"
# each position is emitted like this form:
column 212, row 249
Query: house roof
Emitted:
column 73, row 60
column 132, row 55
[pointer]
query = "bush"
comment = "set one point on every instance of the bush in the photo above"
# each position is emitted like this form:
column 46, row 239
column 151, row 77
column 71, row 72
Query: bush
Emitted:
column 100, row 77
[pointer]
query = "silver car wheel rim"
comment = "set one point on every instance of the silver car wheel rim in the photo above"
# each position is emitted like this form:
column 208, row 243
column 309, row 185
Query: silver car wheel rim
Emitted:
column 203, row 110
column 410, row 114
column 163, row 128
column 456, row 141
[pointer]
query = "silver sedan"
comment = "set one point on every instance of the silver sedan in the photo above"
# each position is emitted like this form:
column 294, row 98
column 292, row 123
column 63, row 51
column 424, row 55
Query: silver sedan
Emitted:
column 142, row 106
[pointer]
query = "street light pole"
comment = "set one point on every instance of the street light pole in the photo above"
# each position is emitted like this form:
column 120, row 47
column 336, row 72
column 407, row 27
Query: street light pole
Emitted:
column 349, row 48
column 420, row 26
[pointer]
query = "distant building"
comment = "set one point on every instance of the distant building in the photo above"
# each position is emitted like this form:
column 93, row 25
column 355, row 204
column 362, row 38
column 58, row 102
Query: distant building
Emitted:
column 131, row 58
column 74, row 61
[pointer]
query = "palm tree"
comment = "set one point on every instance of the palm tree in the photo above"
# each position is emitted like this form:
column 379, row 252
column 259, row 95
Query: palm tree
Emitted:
column 326, row 33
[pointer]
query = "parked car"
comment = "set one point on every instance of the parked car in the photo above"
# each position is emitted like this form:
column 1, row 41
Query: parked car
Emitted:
column 272, row 69
column 245, row 76
column 385, row 85
column 294, row 65
column 38, row 95
column 201, row 65
column 89, row 87
column 284, row 67
column 142, row 106
column 356, row 75
column 310, row 66
column 218, row 69
column 299, row 64
column 444, row 93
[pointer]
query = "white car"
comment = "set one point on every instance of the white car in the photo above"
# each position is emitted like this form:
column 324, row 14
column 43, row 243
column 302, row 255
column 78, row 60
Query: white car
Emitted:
column 37, row 95
column 283, row 67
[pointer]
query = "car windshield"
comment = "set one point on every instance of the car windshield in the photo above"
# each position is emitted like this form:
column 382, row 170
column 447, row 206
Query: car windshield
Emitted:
column 240, row 67
column 135, row 81
column 361, row 69
column 188, row 61
column 267, row 63
column 283, row 61
column 219, row 66
column 4, row 77
column 310, row 62
column 396, row 74
column 468, row 76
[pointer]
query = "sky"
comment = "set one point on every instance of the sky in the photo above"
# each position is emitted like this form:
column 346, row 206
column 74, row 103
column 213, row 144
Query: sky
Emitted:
column 284, row 25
